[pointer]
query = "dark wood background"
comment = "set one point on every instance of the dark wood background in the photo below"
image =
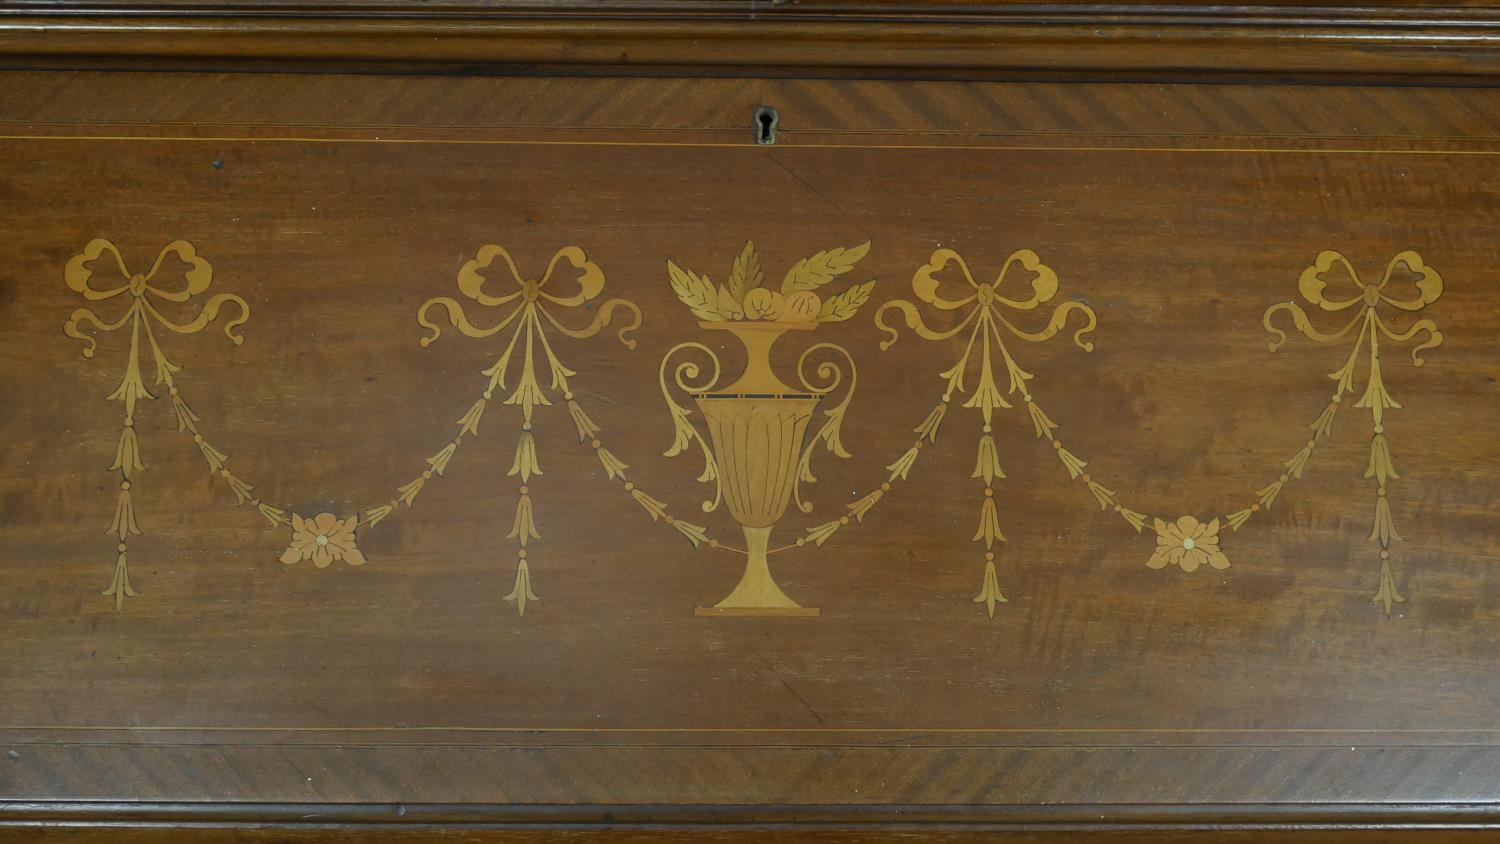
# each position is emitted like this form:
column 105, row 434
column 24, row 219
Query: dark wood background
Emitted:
column 406, row 695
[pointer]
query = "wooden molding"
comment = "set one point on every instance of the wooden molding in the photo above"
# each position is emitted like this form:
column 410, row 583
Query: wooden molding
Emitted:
column 278, row 820
column 967, row 40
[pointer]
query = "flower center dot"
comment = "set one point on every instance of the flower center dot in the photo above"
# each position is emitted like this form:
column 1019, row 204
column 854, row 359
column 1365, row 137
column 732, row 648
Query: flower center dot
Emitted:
column 1186, row 543
column 323, row 540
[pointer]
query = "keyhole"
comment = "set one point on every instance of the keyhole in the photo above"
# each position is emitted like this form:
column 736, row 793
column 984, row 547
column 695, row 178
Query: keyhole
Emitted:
column 766, row 118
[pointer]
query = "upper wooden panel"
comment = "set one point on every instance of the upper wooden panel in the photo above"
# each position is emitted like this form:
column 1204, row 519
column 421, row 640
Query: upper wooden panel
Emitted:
column 1099, row 679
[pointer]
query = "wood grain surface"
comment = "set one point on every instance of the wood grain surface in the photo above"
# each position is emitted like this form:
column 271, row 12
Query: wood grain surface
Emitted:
column 408, row 695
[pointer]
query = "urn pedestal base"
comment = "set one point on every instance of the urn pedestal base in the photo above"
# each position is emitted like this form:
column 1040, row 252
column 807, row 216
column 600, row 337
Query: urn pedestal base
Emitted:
column 757, row 593
column 757, row 612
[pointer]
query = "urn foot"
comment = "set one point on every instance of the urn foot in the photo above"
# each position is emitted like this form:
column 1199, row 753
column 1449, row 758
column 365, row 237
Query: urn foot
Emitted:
column 757, row 593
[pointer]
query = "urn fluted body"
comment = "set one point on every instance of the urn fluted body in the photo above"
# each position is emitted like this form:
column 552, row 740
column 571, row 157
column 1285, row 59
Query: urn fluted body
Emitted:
column 756, row 426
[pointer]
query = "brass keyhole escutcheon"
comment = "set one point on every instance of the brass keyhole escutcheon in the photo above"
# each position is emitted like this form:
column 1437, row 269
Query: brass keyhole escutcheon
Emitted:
column 766, row 120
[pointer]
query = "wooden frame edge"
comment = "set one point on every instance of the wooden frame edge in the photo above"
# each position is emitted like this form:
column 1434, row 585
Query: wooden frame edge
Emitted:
column 1449, row 44
column 1051, row 818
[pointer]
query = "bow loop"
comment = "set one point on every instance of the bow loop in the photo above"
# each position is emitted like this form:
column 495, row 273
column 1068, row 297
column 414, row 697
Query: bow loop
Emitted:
column 1427, row 281
column 925, row 283
column 1043, row 281
column 1313, row 286
column 194, row 280
column 590, row 278
column 80, row 271
column 472, row 278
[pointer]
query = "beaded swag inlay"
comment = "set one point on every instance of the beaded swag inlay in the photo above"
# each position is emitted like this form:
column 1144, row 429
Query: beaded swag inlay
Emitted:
column 753, row 438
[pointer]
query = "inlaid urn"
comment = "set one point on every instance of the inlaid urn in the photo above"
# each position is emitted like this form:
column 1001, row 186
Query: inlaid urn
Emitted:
column 756, row 426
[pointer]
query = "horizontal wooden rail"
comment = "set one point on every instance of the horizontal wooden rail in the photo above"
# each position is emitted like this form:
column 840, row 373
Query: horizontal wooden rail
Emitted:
column 1391, row 817
column 1460, row 44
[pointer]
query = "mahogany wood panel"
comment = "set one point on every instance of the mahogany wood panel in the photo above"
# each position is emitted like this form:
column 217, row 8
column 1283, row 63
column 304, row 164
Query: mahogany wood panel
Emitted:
column 409, row 695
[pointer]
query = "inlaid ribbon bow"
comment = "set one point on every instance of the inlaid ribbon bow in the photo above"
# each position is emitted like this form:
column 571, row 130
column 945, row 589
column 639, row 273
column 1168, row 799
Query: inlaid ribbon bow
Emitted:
column 147, row 292
column 146, row 296
column 1314, row 287
column 533, row 295
column 531, row 298
column 984, row 307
